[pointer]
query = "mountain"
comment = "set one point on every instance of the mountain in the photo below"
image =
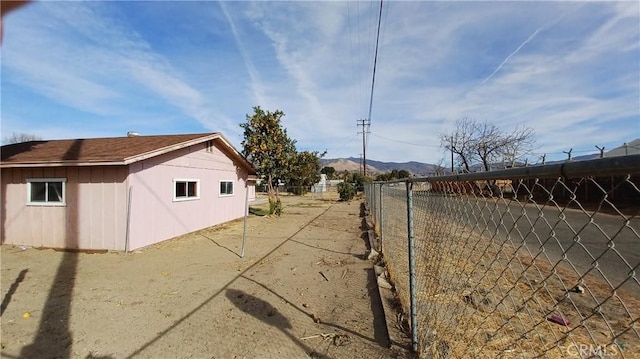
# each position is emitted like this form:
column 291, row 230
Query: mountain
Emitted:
column 353, row 164
column 627, row 148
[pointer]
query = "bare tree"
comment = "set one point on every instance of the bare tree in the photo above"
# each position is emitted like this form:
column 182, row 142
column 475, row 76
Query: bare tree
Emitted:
column 488, row 143
column 519, row 143
column 460, row 142
column 20, row 137
column 483, row 143
column 439, row 168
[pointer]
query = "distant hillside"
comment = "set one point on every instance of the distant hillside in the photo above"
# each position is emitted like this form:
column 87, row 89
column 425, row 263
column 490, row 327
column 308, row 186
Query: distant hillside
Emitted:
column 374, row 167
column 627, row 148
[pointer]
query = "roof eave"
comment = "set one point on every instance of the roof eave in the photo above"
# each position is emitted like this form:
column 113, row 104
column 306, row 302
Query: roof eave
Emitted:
column 61, row 164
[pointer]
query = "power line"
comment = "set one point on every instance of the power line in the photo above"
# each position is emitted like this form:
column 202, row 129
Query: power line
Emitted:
column 406, row 143
column 355, row 70
column 344, row 144
column 367, row 122
column 375, row 61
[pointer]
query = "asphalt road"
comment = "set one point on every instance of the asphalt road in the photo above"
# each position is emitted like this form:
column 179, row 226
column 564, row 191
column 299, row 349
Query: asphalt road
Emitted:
column 606, row 244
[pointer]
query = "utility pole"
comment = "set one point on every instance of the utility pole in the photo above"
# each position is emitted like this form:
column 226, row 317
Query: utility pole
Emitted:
column 363, row 123
column 451, row 145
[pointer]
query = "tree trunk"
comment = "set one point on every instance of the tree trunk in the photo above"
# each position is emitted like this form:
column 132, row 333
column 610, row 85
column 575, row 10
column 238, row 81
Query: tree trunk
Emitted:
column 275, row 206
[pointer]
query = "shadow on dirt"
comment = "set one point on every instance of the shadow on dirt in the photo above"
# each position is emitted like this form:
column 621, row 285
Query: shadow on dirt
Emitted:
column 54, row 338
column 265, row 312
column 220, row 245
column 258, row 308
column 14, row 287
column 347, row 330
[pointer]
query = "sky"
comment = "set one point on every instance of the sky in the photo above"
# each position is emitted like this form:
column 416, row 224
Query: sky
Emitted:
column 568, row 70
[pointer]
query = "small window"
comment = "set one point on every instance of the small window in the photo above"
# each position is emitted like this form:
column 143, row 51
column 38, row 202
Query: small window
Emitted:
column 46, row 191
column 226, row 188
column 186, row 189
column 209, row 146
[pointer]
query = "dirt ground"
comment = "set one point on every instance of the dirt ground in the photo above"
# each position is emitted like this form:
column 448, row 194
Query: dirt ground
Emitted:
column 303, row 289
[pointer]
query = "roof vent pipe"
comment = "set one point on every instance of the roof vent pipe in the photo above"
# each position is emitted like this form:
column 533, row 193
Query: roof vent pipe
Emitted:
column 132, row 134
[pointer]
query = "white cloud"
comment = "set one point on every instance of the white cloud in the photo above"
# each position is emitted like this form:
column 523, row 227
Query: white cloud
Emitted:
column 558, row 67
column 91, row 57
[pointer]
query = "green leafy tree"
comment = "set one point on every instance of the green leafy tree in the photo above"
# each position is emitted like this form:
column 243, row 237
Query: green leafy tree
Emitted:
column 305, row 171
column 268, row 147
column 393, row 175
column 357, row 179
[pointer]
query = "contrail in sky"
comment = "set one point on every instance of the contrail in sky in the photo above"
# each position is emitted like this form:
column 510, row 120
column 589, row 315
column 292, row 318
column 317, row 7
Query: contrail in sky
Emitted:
column 253, row 74
column 531, row 37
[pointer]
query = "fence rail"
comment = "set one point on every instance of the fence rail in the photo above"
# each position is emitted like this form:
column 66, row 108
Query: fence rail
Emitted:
column 540, row 261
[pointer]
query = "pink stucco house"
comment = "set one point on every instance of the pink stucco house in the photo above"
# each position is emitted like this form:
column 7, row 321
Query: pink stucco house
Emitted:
column 120, row 193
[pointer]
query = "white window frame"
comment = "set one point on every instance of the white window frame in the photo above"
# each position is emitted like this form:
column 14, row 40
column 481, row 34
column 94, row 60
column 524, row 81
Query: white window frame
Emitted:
column 186, row 180
column 233, row 188
column 46, row 202
column 209, row 146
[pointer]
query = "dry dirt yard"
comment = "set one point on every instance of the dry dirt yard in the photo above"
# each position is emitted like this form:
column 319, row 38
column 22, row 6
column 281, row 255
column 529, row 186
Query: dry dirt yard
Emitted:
column 303, row 289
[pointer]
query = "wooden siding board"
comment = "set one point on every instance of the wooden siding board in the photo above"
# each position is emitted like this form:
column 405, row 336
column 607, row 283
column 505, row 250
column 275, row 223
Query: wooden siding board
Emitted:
column 10, row 211
column 97, row 207
column 108, row 208
column 83, row 205
column 121, row 193
column 72, row 231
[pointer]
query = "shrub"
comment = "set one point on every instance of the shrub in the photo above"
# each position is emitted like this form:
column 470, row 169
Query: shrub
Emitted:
column 275, row 207
column 346, row 191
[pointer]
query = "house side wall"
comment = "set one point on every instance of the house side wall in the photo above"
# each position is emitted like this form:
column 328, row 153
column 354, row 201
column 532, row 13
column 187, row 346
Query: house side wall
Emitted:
column 156, row 216
column 94, row 216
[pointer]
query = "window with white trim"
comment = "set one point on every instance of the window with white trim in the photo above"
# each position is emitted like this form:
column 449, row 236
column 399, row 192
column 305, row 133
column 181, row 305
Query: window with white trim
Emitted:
column 186, row 189
column 209, row 146
column 226, row 188
column 46, row 191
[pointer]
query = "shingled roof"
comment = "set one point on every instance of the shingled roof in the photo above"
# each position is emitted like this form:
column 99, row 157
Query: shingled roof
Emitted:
column 106, row 151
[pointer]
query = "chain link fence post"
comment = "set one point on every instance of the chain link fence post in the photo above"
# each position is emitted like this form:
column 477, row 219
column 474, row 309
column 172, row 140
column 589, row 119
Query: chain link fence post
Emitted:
column 374, row 209
column 381, row 227
column 412, row 268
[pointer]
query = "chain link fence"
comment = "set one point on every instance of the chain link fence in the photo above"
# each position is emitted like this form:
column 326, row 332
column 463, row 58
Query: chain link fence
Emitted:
column 538, row 261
